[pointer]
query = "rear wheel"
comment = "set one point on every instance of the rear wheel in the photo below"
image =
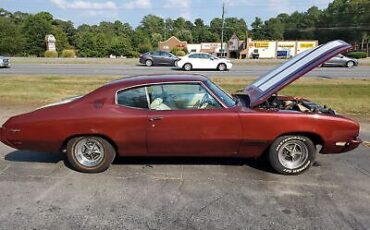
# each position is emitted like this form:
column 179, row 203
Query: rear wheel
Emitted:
column 90, row 154
column 148, row 62
column 350, row 64
column 292, row 154
column 187, row 67
column 221, row 67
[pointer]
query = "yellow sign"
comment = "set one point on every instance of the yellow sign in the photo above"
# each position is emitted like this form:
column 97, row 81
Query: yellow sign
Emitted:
column 261, row 44
column 306, row 45
column 286, row 45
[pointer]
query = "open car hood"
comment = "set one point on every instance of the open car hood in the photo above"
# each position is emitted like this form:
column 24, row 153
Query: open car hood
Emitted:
column 270, row 83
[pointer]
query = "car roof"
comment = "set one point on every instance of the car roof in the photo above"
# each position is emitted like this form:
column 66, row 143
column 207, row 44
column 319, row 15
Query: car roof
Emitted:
column 199, row 53
column 155, row 78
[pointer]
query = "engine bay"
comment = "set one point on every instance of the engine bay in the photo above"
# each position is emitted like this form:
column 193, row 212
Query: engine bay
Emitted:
column 276, row 102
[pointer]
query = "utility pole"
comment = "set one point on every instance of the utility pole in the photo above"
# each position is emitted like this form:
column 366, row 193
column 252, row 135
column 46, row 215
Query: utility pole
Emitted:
column 222, row 29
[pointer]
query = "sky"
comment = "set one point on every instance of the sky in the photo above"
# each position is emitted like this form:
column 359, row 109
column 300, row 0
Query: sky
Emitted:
column 132, row 11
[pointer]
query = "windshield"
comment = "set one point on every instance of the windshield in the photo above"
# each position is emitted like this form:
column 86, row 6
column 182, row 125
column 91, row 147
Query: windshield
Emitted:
column 225, row 97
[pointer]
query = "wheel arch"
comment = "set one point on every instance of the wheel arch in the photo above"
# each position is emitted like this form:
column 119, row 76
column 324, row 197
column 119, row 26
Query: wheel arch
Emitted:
column 222, row 63
column 110, row 140
column 314, row 137
column 183, row 66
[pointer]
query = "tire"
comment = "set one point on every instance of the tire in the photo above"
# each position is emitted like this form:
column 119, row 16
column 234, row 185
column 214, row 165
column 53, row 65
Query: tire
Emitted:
column 187, row 67
column 221, row 67
column 97, row 148
column 350, row 64
column 148, row 62
column 281, row 158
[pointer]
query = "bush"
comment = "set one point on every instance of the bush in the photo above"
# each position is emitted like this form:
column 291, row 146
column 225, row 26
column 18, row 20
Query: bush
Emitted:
column 133, row 54
column 51, row 54
column 180, row 53
column 357, row 55
column 68, row 53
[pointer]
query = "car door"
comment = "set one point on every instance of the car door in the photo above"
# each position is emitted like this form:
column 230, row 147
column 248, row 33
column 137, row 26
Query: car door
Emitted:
column 195, row 60
column 189, row 121
column 335, row 61
column 157, row 59
column 205, row 61
column 167, row 58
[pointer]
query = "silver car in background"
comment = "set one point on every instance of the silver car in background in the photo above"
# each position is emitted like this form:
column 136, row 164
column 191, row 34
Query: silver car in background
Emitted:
column 341, row 60
column 4, row 62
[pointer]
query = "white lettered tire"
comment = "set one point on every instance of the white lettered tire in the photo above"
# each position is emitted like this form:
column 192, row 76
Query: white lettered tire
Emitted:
column 292, row 154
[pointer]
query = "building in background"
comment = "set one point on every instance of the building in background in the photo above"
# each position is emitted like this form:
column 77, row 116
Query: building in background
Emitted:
column 278, row 49
column 171, row 43
column 236, row 48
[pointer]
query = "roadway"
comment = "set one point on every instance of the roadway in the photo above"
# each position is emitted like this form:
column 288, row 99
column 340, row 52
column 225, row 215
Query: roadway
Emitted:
column 239, row 70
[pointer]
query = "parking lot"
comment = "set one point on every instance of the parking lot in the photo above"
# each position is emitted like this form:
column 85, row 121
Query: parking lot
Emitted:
column 38, row 191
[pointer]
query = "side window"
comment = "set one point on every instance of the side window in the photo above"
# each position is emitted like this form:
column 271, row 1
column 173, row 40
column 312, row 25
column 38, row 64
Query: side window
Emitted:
column 194, row 56
column 206, row 56
column 135, row 97
column 155, row 53
column 165, row 54
column 180, row 96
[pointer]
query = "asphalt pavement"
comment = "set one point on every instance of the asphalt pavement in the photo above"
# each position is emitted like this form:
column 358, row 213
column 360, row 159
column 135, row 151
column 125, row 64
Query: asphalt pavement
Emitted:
column 39, row 191
column 238, row 70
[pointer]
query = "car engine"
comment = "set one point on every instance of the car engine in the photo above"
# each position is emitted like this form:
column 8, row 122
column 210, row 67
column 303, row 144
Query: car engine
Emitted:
column 276, row 102
column 297, row 104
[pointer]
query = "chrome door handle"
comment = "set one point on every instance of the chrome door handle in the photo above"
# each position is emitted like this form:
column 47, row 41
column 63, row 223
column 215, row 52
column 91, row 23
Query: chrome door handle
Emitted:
column 155, row 118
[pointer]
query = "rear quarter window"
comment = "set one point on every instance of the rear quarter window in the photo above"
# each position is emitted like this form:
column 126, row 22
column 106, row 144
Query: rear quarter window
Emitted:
column 135, row 97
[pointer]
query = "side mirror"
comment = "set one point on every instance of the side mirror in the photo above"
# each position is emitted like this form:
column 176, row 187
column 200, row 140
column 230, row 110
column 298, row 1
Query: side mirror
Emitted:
column 212, row 58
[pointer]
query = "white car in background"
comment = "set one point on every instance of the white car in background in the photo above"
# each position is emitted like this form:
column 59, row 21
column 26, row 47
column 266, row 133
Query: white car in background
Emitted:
column 4, row 62
column 203, row 61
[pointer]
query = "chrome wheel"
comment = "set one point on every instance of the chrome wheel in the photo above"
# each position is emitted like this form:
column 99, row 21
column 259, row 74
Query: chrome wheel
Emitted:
column 89, row 152
column 293, row 154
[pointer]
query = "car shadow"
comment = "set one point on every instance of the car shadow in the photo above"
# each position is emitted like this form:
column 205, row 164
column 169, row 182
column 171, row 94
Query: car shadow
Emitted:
column 53, row 158
column 259, row 164
column 154, row 66
column 34, row 157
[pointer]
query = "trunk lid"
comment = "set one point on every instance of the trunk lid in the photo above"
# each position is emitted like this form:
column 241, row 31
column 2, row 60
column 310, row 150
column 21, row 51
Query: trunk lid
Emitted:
column 275, row 80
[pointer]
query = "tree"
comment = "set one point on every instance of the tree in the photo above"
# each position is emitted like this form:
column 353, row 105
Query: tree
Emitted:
column 258, row 29
column 120, row 46
column 274, row 29
column 61, row 39
column 11, row 42
column 34, row 30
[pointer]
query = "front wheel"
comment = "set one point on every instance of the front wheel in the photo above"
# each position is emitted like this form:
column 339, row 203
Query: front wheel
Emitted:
column 350, row 64
column 90, row 154
column 291, row 155
column 188, row 67
column 221, row 67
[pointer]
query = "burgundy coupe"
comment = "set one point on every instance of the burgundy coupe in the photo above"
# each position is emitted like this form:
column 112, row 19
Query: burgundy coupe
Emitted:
column 189, row 115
